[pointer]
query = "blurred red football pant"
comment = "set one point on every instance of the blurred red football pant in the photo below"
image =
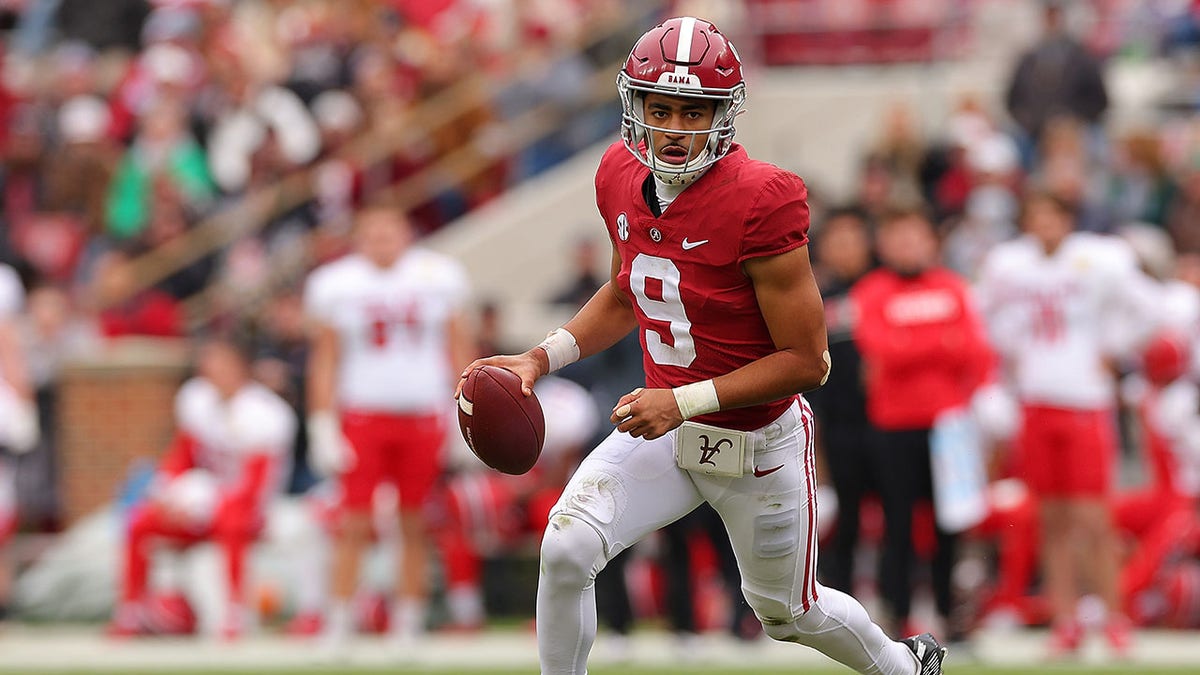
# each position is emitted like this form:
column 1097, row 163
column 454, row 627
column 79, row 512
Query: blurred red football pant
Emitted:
column 400, row 449
column 483, row 513
column 1066, row 452
column 1162, row 522
column 233, row 529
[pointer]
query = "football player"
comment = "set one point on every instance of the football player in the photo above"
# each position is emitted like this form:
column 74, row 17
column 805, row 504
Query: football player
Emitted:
column 231, row 455
column 710, row 266
column 19, row 431
column 1060, row 305
column 389, row 331
column 1162, row 516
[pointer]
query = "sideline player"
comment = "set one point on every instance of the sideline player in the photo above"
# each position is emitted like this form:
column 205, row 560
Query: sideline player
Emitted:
column 389, row 331
column 230, row 455
column 19, row 431
column 710, row 265
column 1062, row 307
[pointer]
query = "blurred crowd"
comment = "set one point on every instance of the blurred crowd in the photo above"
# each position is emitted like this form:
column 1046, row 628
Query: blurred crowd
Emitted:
column 127, row 124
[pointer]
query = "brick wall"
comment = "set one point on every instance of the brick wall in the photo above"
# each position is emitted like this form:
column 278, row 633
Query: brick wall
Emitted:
column 113, row 410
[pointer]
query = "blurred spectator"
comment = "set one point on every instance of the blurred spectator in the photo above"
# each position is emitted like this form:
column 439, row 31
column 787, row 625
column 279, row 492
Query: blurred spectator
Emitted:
column 990, row 209
column 53, row 333
column 587, row 276
column 252, row 114
column 490, row 334
column 842, row 249
column 280, row 363
column 164, row 157
column 336, row 183
column 229, row 457
column 23, row 173
column 1140, row 187
column 1056, row 77
column 1184, row 212
column 900, row 147
column 1055, row 301
column 163, row 71
column 924, row 352
column 81, row 167
column 103, row 25
column 555, row 76
column 876, row 189
column 695, row 547
column 122, row 310
column 19, row 431
column 389, row 337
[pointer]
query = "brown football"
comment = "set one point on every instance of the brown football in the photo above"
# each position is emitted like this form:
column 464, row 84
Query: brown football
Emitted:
column 503, row 427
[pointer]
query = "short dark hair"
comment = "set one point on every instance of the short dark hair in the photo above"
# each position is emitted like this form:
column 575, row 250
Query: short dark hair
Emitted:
column 1034, row 195
column 904, row 210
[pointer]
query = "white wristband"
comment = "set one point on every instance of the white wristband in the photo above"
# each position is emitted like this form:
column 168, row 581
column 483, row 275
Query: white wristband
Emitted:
column 697, row 398
column 561, row 348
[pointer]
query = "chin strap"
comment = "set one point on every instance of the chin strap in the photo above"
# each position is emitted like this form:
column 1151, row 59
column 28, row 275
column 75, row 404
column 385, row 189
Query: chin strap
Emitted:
column 684, row 177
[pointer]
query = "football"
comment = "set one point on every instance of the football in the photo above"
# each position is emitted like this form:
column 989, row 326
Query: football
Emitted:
column 503, row 427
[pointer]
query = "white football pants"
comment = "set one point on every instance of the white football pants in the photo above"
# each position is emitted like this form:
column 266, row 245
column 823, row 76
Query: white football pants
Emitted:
column 629, row 487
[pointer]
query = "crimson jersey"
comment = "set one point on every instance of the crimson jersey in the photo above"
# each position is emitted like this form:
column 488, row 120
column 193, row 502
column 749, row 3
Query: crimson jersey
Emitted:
column 697, row 313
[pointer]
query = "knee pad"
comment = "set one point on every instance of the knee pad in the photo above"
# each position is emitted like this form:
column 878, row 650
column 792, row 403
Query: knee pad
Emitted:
column 572, row 551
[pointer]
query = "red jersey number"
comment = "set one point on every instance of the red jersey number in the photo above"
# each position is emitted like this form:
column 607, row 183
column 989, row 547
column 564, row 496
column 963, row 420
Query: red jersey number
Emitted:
column 655, row 285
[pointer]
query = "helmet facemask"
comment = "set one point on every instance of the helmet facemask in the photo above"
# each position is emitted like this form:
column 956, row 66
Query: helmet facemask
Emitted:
column 636, row 133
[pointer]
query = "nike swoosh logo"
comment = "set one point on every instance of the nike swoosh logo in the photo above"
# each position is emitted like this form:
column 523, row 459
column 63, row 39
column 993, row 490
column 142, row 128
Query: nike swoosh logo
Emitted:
column 689, row 245
column 759, row 473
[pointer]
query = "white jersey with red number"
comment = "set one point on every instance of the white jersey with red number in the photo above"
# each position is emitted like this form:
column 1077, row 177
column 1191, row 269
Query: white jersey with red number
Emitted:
column 227, row 432
column 1057, row 318
column 392, row 328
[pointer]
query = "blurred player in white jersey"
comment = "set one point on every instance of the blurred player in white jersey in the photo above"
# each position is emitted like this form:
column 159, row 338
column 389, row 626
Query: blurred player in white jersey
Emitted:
column 230, row 457
column 1053, row 299
column 389, row 333
column 18, row 415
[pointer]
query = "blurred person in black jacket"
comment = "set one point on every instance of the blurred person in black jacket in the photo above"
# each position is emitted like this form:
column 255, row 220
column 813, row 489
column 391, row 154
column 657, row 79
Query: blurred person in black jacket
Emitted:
column 843, row 253
column 1057, row 77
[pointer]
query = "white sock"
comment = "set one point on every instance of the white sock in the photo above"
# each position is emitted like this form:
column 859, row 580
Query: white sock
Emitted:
column 408, row 618
column 465, row 603
column 338, row 627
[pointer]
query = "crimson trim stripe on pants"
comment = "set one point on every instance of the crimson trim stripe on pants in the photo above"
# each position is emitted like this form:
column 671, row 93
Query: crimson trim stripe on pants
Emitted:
column 809, row 589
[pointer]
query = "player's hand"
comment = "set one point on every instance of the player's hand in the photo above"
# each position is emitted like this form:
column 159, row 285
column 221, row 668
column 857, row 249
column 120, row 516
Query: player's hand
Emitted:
column 647, row 413
column 329, row 453
column 528, row 366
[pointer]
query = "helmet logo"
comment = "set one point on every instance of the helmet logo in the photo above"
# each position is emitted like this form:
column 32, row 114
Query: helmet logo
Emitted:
column 680, row 78
column 623, row 227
